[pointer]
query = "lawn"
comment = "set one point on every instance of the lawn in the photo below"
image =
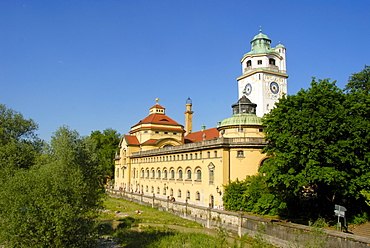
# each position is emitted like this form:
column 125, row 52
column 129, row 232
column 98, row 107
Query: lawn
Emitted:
column 129, row 228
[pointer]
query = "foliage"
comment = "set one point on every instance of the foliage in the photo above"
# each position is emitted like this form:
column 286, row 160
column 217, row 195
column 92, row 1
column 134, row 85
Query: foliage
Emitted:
column 53, row 204
column 359, row 219
column 233, row 197
column 251, row 195
column 318, row 144
column 106, row 147
column 366, row 194
column 19, row 145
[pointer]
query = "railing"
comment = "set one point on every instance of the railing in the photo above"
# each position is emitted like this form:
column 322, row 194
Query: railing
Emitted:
column 269, row 68
column 203, row 144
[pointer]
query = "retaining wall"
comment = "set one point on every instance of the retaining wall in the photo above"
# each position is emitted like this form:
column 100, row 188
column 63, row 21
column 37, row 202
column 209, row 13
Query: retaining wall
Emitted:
column 281, row 234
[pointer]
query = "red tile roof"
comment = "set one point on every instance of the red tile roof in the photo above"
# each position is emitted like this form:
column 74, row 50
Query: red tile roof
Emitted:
column 157, row 119
column 157, row 106
column 198, row 136
column 150, row 141
column 131, row 140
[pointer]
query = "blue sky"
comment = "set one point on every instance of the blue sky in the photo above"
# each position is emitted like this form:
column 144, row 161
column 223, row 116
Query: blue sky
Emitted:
column 94, row 65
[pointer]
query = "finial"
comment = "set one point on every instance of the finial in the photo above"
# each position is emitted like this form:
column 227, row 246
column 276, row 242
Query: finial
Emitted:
column 260, row 29
column 157, row 100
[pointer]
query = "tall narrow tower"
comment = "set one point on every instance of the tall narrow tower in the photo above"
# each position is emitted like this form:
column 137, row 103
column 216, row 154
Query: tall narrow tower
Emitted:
column 188, row 117
column 264, row 78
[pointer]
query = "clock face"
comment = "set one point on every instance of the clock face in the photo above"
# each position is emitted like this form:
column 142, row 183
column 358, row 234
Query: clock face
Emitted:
column 248, row 89
column 274, row 87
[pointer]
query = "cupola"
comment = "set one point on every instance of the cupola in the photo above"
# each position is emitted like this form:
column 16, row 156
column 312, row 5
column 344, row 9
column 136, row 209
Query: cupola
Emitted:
column 243, row 122
column 157, row 109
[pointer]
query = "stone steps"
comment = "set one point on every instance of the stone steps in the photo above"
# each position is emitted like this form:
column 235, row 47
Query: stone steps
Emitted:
column 362, row 230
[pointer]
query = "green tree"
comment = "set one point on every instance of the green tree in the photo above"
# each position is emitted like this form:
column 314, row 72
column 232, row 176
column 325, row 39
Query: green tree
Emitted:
column 19, row 145
column 53, row 204
column 316, row 152
column 106, row 145
column 251, row 195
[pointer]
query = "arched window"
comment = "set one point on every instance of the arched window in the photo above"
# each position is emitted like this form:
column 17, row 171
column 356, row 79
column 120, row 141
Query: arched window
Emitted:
column 197, row 196
column 158, row 174
column 142, row 173
column 153, row 173
column 158, row 190
column 249, row 63
column 272, row 61
column 171, row 192
column 152, row 190
column 199, row 175
column 147, row 188
column 147, row 173
column 188, row 194
column 188, row 174
column 165, row 174
column 179, row 193
column 172, row 174
column 180, row 175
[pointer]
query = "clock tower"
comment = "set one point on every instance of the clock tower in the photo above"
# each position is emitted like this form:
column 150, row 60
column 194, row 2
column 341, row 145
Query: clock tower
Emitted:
column 264, row 78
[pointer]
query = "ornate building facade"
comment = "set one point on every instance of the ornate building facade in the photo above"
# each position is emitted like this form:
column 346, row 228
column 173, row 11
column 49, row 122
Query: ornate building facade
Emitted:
column 160, row 157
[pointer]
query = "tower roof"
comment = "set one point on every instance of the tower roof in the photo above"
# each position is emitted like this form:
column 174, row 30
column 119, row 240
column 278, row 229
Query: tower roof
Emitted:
column 261, row 43
column 261, row 36
column 244, row 113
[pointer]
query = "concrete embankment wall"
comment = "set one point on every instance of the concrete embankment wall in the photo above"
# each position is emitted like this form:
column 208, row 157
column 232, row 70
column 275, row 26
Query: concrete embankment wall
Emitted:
column 281, row 234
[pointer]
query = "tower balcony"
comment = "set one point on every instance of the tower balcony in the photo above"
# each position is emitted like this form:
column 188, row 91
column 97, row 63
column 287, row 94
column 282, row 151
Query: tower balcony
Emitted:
column 273, row 68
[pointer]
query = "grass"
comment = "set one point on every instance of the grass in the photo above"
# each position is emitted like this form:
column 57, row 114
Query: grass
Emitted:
column 148, row 214
column 150, row 229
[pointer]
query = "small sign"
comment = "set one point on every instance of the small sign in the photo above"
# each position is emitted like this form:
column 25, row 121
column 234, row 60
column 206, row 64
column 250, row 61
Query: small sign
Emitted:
column 339, row 213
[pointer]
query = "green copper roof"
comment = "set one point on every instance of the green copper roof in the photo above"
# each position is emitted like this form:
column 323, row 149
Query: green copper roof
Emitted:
column 260, row 44
column 280, row 45
column 241, row 119
column 260, row 36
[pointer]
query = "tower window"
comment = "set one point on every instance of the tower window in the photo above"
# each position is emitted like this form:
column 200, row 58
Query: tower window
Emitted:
column 249, row 63
column 259, row 62
column 271, row 61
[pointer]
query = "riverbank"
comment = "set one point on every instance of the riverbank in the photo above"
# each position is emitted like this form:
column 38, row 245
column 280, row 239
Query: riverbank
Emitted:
column 128, row 224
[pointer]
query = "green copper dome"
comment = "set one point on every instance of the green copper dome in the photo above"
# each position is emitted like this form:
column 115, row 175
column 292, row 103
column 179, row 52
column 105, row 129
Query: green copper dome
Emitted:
column 244, row 113
column 260, row 44
column 241, row 119
column 260, row 36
